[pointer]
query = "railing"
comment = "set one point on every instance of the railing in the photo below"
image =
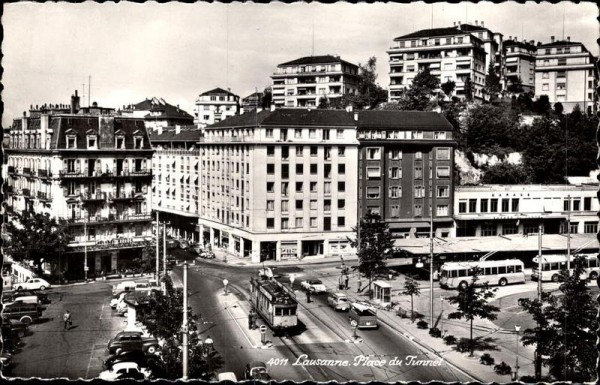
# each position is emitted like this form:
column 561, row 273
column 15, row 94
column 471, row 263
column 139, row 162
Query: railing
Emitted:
column 124, row 195
column 43, row 173
column 98, row 195
column 110, row 218
column 105, row 173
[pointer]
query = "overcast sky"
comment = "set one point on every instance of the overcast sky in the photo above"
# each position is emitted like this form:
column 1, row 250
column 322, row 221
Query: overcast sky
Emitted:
column 177, row 51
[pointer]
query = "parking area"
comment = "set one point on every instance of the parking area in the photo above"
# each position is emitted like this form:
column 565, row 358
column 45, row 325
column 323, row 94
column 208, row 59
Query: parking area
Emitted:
column 49, row 351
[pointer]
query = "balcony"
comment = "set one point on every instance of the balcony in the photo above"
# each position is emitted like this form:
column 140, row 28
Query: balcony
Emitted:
column 89, row 196
column 105, row 174
column 112, row 218
column 27, row 192
column 26, row 171
column 124, row 196
column 43, row 173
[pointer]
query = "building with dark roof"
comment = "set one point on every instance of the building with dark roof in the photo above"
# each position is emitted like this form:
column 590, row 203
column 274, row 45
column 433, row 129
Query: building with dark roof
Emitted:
column 451, row 54
column 406, row 168
column 565, row 71
column 305, row 81
column 158, row 113
column 176, row 179
column 214, row 106
column 94, row 172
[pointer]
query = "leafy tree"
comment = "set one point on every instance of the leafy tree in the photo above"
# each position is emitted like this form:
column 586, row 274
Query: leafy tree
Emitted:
column 468, row 89
column 558, row 108
column 267, row 98
column 566, row 327
column 492, row 82
column 473, row 301
column 515, row 85
column 542, row 104
column 324, row 103
column 418, row 97
column 369, row 94
column 37, row 238
column 448, row 87
column 506, row 173
column 490, row 127
column 374, row 244
column 412, row 288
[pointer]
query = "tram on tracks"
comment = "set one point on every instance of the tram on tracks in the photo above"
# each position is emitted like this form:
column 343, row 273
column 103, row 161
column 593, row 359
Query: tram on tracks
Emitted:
column 275, row 303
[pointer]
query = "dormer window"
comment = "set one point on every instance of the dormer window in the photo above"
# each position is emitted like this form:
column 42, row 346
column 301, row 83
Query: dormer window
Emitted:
column 120, row 142
column 139, row 142
column 71, row 141
column 92, row 141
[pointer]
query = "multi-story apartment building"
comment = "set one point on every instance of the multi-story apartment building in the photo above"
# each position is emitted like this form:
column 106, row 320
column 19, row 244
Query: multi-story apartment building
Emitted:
column 304, row 81
column 280, row 184
column 215, row 105
column 176, row 178
column 406, row 164
column 252, row 102
column 491, row 210
column 492, row 44
column 449, row 53
column 519, row 59
column 92, row 171
column 565, row 72
column 158, row 113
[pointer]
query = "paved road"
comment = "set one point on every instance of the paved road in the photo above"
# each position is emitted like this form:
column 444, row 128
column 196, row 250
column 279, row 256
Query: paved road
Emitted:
column 51, row 352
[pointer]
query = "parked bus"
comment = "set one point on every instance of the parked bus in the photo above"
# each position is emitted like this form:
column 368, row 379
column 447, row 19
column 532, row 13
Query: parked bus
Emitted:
column 275, row 303
column 458, row 274
column 554, row 263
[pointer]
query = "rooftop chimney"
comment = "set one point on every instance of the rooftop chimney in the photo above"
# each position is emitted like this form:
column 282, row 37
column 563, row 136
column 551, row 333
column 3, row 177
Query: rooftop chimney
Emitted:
column 475, row 22
column 482, row 23
column 459, row 22
column 74, row 103
column 569, row 39
column 552, row 39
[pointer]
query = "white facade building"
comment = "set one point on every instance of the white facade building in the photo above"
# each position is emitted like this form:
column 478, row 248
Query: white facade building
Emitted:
column 214, row 106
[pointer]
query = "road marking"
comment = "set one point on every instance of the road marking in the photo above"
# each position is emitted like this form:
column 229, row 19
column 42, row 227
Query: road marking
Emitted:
column 87, row 372
column 239, row 327
column 101, row 311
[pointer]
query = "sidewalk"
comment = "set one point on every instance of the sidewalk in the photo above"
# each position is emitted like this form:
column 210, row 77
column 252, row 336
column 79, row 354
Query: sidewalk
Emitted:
column 223, row 256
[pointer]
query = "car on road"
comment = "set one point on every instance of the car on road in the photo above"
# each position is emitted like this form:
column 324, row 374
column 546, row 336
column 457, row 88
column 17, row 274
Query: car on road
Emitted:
column 123, row 286
column 136, row 356
column 11, row 327
column 33, row 284
column 364, row 316
column 10, row 295
column 123, row 370
column 313, row 285
column 257, row 370
column 129, row 341
column 117, row 298
column 338, row 301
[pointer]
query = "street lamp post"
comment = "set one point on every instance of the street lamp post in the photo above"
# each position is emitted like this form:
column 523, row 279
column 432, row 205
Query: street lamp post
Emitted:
column 569, row 234
column 85, row 264
column 164, row 257
column 157, row 247
column 517, row 329
column 431, row 265
column 442, row 316
column 184, row 326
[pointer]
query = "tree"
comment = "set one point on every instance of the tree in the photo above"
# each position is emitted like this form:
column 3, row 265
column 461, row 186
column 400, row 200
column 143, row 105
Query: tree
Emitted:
column 267, row 99
column 506, row 173
column 515, row 85
column 369, row 94
column 565, row 334
column 542, row 104
column 324, row 103
column 448, row 87
column 468, row 89
column 492, row 82
column 473, row 301
column 411, row 287
column 558, row 108
column 37, row 238
column 373, row 243
column 419, row 96
column 490, row 128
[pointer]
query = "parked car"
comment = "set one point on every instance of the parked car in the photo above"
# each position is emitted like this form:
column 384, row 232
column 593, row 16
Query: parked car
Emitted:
column 124, row 286
column 128, row 341
column 26, row 299
column 42, row 296
column 183, row 244
column 171, row 263
column 257, row 370
column 124, row 370
column 6, row 364
column 11, row 327
column 313, row 285
column 227, row 376
column 33, row 284
column 386, row 272
column 24, row 312
column 136, row 356
column 338, row 301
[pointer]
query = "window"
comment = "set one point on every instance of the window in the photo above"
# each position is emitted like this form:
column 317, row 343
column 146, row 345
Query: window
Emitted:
column 299, row 150
column 339, row 134
column 443, row 153
column 395, row 211
column 299, row 204
column 418, row 155
column 299, row 223
column 313, row 169
column 341, row 203
column 270, row 205
column 270, row 187
column 270, row 169
column 373, row 192
column 313, row 222
column 373, row 172
column 327, row 205
column 395, row 173
column 314, row 204
column 493, row 205
column 341, row 221
column 299, row 187
column 505, row 205
column 297, row 133
column 442, row 210
column 325, row 132
column 545, row 87
column 443, row 191
column 270, row 223
column 395, row 192
column 484, row 206
column 418, row 172
column 327, row 153
column 341, row 169
column 472, row 205
column 71, row 141
column 269, row 132
column 285, row 206
column 299, row 169
column 545, row 75
column 489, row 230
column 439, row 135
column 313, row 150
column 284, row 189
column 373, row 153
column 419, row 192
column 327, row 188
column 91, row 141
column 138, row 142
column 270, row 150
column 120, row 142
column 312, row 133
column 515, row 205
column 443, row 171
column 396, row 154
column 587, row 204
column 509, row 228
column 576, row 205
column 590, row 227
column 327, row 171
column 418, row 210
column 462, row 207
column 341, row 151
column 341, row 186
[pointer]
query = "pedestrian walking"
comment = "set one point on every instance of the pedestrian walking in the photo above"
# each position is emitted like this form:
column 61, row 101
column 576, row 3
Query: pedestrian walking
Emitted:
column 67, row 320
column 346, row 282
column 251, row 319
column 307, row 296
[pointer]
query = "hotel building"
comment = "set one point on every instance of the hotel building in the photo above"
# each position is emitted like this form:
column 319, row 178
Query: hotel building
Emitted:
column 406, row 168
column 304, row 81
column 565, row 72
column 280, row 184
column 450, row 54
column 94, row 172
column 215, row 105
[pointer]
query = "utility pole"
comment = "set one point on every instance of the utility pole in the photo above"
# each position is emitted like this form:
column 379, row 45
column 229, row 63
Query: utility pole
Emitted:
column 165, row 257
column 538, row 354
column 431, row 264
column 157, row 247
column 89, row 89
column 85, row 265
column 184, row 326
column 569, row 234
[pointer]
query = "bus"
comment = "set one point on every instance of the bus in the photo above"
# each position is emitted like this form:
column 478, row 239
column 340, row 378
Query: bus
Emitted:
column 552, row 265
column 458, row 274
column 275, row 303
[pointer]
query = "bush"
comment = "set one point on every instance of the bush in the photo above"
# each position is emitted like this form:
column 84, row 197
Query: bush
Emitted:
column 464, row 345
column 422, row 324
column 435, row 332
column 450, row 339
column 502, row 368
column 486, row 359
